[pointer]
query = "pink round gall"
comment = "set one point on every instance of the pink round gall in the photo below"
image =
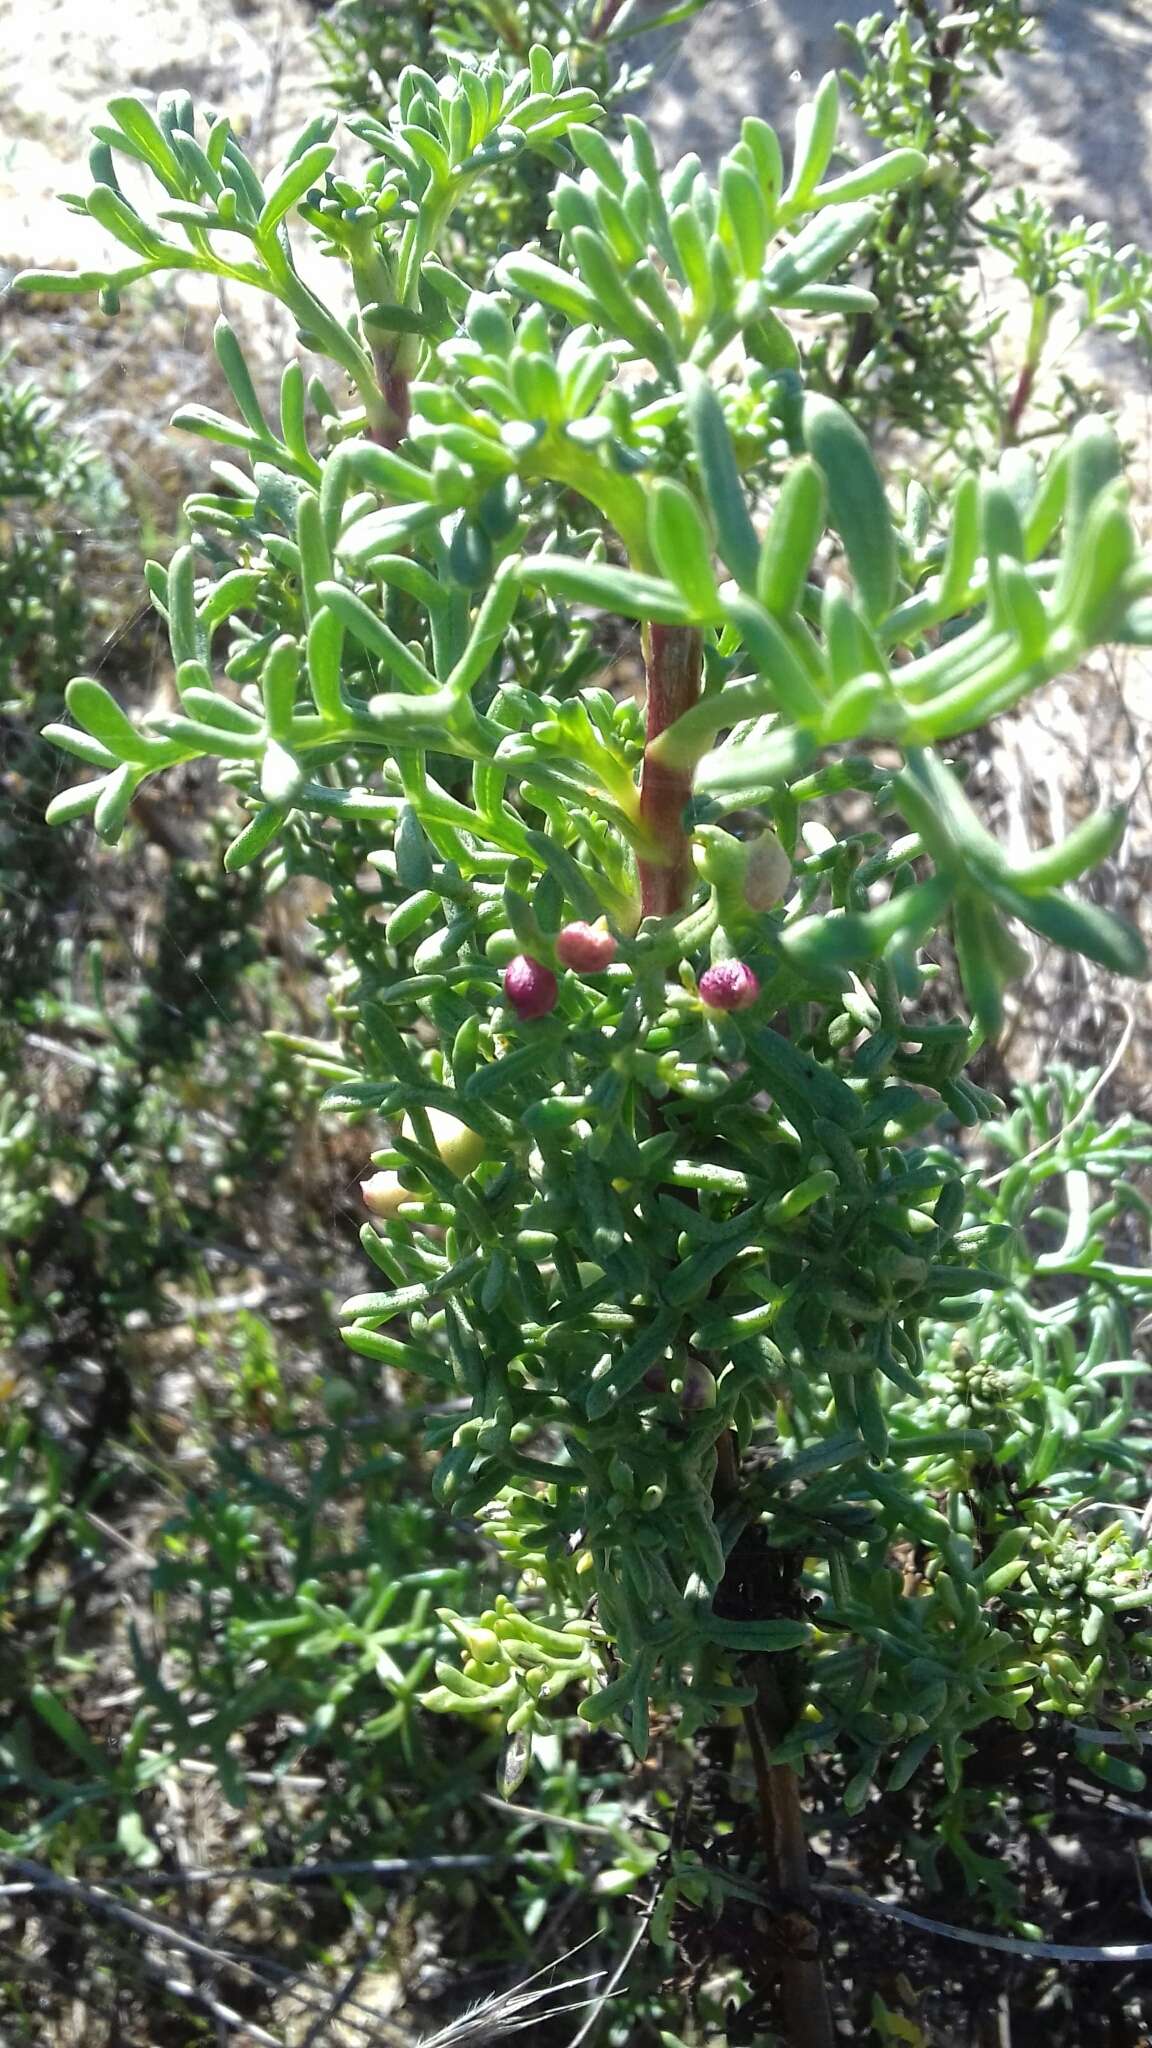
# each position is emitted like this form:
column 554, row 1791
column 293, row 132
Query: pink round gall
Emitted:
column 729, row 985
column 588, row 948
column 530, row 987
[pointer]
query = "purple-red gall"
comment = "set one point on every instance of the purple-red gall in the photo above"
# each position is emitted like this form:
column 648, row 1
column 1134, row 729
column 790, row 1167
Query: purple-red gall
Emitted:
column 589, row 948
column 729, row 985
column 530, row 987
column 699, row 1387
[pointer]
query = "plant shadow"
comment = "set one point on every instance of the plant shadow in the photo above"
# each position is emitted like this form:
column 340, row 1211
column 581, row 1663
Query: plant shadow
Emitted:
column 1073, row 112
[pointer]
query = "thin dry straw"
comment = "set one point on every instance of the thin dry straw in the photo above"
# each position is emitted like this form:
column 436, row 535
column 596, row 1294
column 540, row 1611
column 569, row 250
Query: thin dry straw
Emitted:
column 37, row 1970
column 272, row 1977
column 505, row 2012
column 618, row 1974
column 225, row 2015
column 37, row 1878
column 1101, row 1082
column 511, row 2012
column 1005, row 1944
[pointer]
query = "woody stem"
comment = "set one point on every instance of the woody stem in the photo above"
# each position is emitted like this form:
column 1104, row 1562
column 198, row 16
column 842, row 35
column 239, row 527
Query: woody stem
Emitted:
column 672, row 662
column 390, row 430
column 791, row 1970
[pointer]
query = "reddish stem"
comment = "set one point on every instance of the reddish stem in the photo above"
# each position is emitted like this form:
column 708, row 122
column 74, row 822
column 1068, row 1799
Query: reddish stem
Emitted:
column 672, row 662
column 603, row 19
column 1018, row 404
column 390, row 432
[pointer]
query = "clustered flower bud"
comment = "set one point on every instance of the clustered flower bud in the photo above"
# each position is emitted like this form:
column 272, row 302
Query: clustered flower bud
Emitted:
column 729, row 985
column 747, row 874
column 530, row 987
column 383, row 1193
column 460, row 1147
column 589, row 948
column 767, row 873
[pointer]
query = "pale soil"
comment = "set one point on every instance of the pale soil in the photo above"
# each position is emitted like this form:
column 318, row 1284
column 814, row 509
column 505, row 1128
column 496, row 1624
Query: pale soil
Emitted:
column 1076, row 115
column 62, row 60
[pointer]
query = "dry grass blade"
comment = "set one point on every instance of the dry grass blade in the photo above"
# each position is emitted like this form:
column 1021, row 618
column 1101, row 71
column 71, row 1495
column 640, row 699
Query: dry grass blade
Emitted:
column 513, row 2011
column 618, row 1974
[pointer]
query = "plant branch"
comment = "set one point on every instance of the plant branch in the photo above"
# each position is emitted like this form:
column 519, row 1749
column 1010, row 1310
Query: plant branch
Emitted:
column 672, row 662
column 390, row 429
column 805, row 2017
column 793, row 1967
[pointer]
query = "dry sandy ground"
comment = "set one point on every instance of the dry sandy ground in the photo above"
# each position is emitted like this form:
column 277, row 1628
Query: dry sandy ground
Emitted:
column 1076, row 116
column 61, row 60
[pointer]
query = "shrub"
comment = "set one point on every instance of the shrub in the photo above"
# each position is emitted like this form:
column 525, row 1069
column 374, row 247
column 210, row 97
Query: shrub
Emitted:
column 666, row 1241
